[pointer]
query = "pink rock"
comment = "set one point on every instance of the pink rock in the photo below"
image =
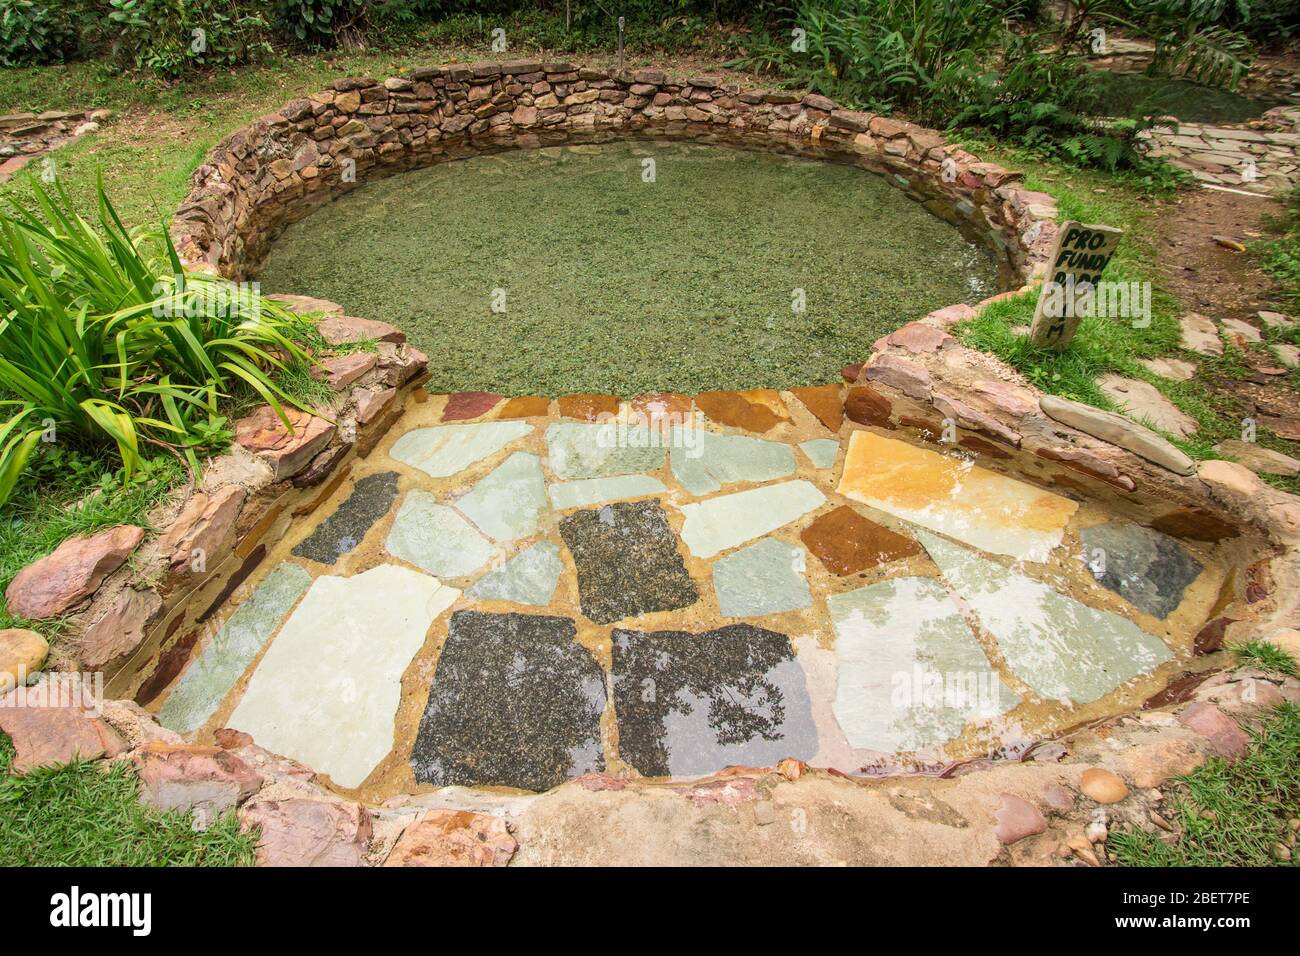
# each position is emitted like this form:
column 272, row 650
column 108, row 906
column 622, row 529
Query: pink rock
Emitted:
column 188, row 777
column 370, row 405
column 204, row 529
column 53, row 736
column 120, row 630
column 950, row 315
column 726, row 791
column 600, row 781
column 63, row 579
column 464, row 405
column 342, row 370
column 1018, row 819
column 454, row 838
column 970, row 418
column 1225, row 737
column 1011, row 399
column 341, row 329
column 300, row 832
column 897, row 372
column 305, row 304
column 401, row 364
column 263, row 434
column 1058, row 798
column 919, row 337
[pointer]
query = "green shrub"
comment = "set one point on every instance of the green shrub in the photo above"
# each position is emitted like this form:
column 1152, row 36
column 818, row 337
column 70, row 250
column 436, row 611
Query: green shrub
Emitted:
column 321, row 24
column 172, row 37
column 102, row 343
column 40, row 31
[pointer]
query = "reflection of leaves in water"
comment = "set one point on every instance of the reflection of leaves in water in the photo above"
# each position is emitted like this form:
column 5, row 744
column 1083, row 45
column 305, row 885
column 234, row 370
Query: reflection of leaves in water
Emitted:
column 738, row 718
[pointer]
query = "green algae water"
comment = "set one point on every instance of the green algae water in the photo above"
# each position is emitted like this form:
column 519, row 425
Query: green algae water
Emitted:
column 632, row 267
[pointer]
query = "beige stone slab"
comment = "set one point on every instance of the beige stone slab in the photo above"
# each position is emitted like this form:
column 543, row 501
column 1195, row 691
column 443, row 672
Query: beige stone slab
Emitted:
column 954, row 497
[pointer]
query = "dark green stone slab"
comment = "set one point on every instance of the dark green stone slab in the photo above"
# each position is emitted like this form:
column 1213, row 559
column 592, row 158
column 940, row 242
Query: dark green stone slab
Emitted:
column 1148, row 569
column 342, row 531
column 516, row 702
column 692, row 704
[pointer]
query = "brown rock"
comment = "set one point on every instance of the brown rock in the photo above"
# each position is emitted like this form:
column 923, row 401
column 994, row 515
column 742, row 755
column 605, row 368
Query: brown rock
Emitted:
column 53, row 736
column 1009, row 398
column 371, row 404
column 588, row 407
column 230, row 739
column 22, row 655
column 306, row 305
column 975, row 420
column 264, row 434
column 401, row 363
column 864, row 405
column 1229, row 478
column 1198, row 524
column 1177, row 691
column 1017, row 819
column 755, row 410
column 462, row 406
column 1102, row 785
column 344, row 329
column 525, row 406
column 897, row 372
column 824, row 402
column 1226, row 738
column 851, row 373
column 1151, row 764
column 322, row 466
column 919, row 337
column 982, row 447
column 846, row 543
column 453, row 838
column 120, row 630
column 1210, row 637
column 300, row 832
column 950, row 315
column 170, row 663
column 342, row 370
column 63, row 579
column 204, row 528
column 193, row 777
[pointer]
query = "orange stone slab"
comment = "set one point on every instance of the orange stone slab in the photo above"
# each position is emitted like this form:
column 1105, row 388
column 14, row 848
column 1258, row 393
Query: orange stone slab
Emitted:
column 755, row 410
column 866, row 406
column 824, row 402
column 588, row 408
column 847, row 543
column 525, row 406
column 662, row 404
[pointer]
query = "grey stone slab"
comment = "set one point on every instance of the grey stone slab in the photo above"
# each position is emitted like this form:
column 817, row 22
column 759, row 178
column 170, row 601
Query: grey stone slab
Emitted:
column 530, row 577
column 765, row 578
column 627, row 561
column 599, row 450
column 910, row 674
column 690, row 704
column 1061, row 648
column 822, row 452
column 1148, row 569
column 721, row 523
column 593, row 491
column 516, row 702
column 436, row 538
column 201, row 689
column 342, row 531
column 509, row 501
column 704, row 461
column 444, row 450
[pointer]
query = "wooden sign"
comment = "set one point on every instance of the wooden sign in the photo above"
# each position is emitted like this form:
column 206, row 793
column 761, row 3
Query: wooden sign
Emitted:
column 1080, row 257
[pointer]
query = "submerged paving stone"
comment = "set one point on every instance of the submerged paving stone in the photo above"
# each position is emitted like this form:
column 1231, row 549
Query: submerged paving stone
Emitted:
column 822, row 452
column 910, row 674
column 326, row 692
column 846, row 543
column 516, row 702
column 446, row 449
column 627, row 561
column 222, row 662
column 1148, row 569
column 342, row 531
column 599, row 450
column 692, row 704
column 591, row 491
column 436, row 538
column 508, row 503
column 1061, row 648
column 720, row 523
column 704, row 461
column 765, row 578
column 954, row 497
column 529, row 577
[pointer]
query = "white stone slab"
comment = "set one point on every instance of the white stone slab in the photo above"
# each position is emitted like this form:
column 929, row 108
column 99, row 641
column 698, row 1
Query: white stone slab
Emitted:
column 723, row 522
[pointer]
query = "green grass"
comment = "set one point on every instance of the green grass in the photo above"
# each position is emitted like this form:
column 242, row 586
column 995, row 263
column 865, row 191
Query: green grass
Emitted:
column 86, row 814
column 1125, row 94
column 1229, row 814
column 1104, row 345
column 615, row 284
column 1265, row 656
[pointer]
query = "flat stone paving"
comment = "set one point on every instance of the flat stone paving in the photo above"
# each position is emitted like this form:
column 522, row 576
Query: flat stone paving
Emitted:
column 513, row 603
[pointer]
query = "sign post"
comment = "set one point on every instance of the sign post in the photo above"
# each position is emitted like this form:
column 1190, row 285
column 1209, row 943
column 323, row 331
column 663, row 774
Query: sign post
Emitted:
column 1081, row 254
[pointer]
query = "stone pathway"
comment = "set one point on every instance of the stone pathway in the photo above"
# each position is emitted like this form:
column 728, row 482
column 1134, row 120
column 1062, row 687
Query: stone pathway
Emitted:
column 515, row 602
column 28, row 136
column 1264, row 161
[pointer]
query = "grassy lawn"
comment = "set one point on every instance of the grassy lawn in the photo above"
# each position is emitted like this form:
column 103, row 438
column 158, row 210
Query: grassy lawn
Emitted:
column 86, row 814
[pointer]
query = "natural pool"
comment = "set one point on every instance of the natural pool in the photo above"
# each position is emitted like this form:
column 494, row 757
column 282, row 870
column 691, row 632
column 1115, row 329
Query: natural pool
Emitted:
column 621, row 281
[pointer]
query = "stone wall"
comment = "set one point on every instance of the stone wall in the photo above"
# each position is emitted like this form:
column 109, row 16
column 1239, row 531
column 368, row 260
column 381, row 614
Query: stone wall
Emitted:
column 283, row 166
